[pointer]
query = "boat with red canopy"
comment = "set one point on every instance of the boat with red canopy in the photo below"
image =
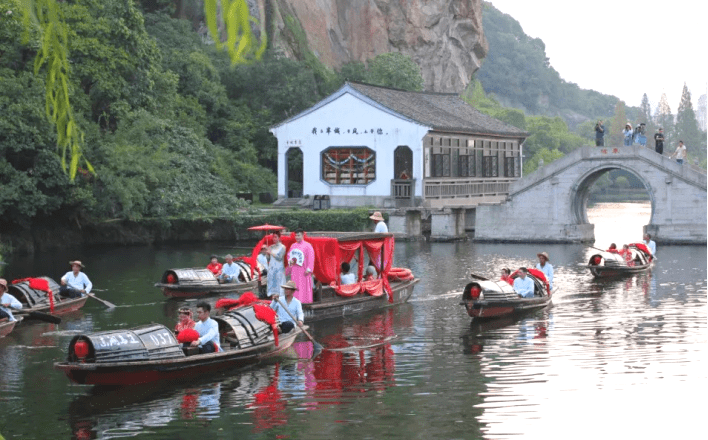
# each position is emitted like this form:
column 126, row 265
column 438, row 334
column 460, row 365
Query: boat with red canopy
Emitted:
column 485, row 298
column 41, row 294
column 611, row 263
column 331, row 298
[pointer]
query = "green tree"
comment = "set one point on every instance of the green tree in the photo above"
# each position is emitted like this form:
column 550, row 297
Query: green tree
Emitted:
column 686, row 127
column 664, row 119
column 616, row 138
column 395, row 70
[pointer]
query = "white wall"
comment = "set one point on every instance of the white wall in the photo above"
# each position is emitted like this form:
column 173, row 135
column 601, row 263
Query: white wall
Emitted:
column 349, row 112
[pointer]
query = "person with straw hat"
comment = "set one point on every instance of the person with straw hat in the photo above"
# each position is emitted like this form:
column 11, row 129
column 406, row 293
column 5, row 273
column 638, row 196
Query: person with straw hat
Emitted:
column 7, row 301
column 293, row 304
column 545, row 266
column 380, row 225
column 75, row 284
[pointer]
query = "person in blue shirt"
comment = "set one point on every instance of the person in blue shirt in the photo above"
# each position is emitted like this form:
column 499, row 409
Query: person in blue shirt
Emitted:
column 75, row 284
column 293, row 304
column 545, row 266
column 229, row 271
column 523, row 285
column 345, row 276
column 7, row 301
column 208, row 330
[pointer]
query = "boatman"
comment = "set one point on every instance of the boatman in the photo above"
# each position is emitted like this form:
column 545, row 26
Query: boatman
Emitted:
column 7, row 301
column 545, row 266
column 380, row 225
column 229, row 271
column 293, row 304
column 650, row 244
column 208, row 330
column 523, row 285
column 75, row 284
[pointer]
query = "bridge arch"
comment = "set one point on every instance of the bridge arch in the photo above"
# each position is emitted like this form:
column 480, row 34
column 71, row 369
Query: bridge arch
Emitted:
column 550, row 204
column 580, row 191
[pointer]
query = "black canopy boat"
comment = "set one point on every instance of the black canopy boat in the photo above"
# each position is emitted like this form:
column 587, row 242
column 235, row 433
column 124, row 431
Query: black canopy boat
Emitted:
column 485, row 298
column 41, row 294
column 612, row 263
column 151, row 353
column 199, row 281
column 331, row 299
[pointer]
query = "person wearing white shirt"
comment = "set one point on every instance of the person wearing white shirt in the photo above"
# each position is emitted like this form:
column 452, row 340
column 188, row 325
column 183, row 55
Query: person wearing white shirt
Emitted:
column 545, row 266
column 380, row 225
column 7, row 301
column 294, row 306
column 229, row 271
column 680, row 153
column 523, row 285
column 650, row 244
column 345, row 276
column 75, row 284
column 208, row 330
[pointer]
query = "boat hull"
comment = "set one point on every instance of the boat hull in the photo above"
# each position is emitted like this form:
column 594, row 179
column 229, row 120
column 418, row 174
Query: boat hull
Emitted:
column 7, row 326
column 610, row 272
column 335, row 306
column 495, row 309
column 134, row 373
column 177, row 291
column 64, row 306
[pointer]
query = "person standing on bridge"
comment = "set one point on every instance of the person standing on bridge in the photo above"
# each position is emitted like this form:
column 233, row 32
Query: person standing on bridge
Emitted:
column 628, row 134
column 680, row 153
column 659, row 141
column 599, row 134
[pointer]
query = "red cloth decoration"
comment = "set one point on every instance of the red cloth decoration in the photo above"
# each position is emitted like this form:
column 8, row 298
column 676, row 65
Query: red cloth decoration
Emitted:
column 188, row 336
column 39, row 284
column 346, row 290
column 373, row 287
column 541, row 276
column 226, row 303
column 246, row 299
column 267, row 315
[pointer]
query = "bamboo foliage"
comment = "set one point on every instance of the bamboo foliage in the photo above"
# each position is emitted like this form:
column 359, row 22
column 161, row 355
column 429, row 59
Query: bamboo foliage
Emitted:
column 45, row 17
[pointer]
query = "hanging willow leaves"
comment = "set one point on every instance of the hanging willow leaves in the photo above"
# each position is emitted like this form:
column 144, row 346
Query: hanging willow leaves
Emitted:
column 241, row 45
column 45, row 16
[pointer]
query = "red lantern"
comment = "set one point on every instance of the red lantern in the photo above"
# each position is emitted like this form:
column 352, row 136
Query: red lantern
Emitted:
column 596, row 261
column 171, row 279
column 474, row 292
column 81, row 349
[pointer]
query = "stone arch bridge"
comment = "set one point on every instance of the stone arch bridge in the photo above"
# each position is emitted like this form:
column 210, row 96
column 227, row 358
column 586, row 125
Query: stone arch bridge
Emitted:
column 550, row 204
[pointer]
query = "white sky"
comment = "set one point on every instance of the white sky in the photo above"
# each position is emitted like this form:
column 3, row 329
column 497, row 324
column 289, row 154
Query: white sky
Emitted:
column 623, row 48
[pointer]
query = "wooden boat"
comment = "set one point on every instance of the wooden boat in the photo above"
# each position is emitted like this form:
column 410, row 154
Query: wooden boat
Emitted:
column 331, row 300
column 6, row 326
column 199, row 281
column 151, row 353
column 498, row 298
column 37, row 300
column 605, row 264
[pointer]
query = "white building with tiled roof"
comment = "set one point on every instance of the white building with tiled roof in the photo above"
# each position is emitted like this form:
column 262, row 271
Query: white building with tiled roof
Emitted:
column 377, row 146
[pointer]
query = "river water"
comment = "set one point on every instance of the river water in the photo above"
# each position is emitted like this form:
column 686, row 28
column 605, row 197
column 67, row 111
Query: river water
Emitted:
column 623, row 358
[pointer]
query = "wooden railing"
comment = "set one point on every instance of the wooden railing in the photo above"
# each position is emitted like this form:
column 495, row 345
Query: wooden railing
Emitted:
column 403, row 189
column 466, row 188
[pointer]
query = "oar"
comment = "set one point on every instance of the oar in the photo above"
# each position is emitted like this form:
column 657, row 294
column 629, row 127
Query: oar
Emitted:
column 478, row 277
column 110, row 305
column 602, row 250
column 317, row 346
column 40, row 316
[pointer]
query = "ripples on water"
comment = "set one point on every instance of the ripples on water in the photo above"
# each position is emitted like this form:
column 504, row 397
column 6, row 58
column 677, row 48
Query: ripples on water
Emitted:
column 619, row 358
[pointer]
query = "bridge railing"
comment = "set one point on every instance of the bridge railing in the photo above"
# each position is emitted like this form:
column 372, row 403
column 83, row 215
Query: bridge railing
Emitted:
column 465, row 188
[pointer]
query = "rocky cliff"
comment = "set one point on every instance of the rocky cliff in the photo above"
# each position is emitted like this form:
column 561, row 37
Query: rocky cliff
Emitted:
column 444, row 37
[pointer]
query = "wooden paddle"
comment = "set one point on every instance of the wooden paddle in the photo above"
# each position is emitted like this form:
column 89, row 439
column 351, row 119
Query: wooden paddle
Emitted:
column 108, row 304
column 40, row 316
column 317, row 346
column 478, row 277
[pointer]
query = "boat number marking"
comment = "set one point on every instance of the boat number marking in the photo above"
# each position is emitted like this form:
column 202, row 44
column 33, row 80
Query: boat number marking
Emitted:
column 117, row 339
column 162, row 338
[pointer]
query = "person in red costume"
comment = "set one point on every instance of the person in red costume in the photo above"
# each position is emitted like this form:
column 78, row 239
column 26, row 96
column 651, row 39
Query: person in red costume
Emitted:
column 215, row 266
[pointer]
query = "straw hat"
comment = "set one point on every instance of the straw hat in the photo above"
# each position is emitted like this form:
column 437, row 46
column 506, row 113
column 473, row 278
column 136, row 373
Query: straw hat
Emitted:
column 377, row 216
column 545, row 255
column 289, row 285
column 3, row 283
column 71, row 263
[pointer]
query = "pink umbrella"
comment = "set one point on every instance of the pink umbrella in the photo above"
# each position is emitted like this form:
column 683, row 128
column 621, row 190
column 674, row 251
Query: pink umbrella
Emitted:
column 266, row 227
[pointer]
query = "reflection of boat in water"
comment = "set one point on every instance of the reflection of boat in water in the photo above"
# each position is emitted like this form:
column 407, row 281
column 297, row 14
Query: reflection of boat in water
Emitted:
column 195, row 282
column 151, row 353
column 331, row 300
column 484, row 298
column 605, row 264
column 36, row 299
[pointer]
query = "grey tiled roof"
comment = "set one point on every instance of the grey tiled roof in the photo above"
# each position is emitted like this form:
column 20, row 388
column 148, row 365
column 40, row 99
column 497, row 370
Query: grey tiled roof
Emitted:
column 442, row 111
